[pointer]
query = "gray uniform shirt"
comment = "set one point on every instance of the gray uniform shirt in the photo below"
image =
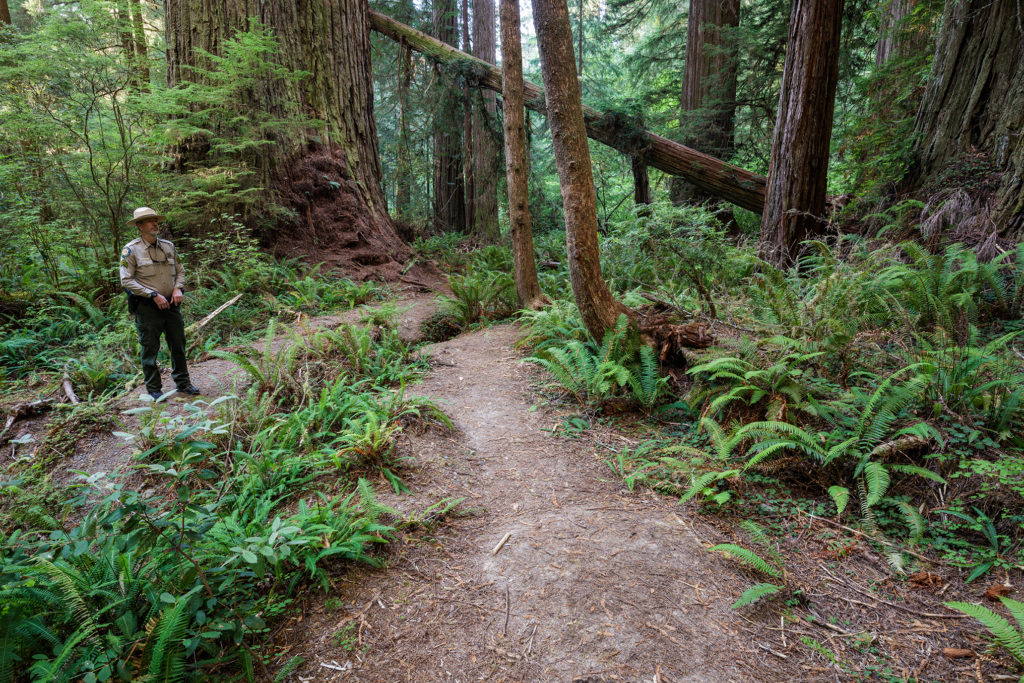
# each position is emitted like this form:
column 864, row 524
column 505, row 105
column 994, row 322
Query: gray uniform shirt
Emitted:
column 148, row 268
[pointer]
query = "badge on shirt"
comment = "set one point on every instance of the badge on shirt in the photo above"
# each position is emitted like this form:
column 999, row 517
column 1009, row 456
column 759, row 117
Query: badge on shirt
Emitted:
column 124, row 254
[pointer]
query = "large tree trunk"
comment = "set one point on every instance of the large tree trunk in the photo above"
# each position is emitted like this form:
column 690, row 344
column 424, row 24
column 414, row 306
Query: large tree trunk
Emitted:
column 708, row 98
column 895, row 39
column 527, row 286
column 449, row 190
column 972, row 113
column 334, row 187
column 5, row 13
column 598, row 308
column 731, row 183
column 467, row 123
column 794, row 207
column 485, row 145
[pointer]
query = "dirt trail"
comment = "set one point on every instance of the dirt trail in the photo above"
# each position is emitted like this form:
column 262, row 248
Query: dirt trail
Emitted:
column 592, row 584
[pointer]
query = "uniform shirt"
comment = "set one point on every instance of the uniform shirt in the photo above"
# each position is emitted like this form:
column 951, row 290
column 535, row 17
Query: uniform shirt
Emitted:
column 148, row 268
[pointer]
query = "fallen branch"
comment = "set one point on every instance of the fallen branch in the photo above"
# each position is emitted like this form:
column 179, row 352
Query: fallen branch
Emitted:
column 24, row 410
column 195, row 327
column 69, row 390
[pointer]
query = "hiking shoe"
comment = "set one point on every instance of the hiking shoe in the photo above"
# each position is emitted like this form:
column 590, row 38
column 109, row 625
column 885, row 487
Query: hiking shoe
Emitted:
column 189, row 390
column 155, row 394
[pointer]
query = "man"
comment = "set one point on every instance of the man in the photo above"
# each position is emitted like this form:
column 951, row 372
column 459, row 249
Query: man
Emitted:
column 152, row 273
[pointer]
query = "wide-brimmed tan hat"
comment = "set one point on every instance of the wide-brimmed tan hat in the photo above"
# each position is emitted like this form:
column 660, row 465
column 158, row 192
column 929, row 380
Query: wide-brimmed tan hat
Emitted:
column 144, row 212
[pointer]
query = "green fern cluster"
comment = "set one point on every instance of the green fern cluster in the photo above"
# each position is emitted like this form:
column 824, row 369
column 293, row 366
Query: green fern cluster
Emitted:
column 593, row 375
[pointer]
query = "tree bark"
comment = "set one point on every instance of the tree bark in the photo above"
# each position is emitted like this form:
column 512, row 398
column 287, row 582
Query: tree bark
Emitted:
column 5, row 13
column 972, row 112
column 893, row 38
column 141, row 45
column 598, row 308
column 467, row 125
column 525, row 268
column 641, row 182
column 708, row 98
column 485, row 147
column 338, row 181
column 795, row 197
column 718, row 178
column 449, row 188
column 403, row 161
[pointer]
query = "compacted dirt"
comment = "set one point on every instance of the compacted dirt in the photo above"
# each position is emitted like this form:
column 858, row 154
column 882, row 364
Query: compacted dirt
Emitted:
column 552, row 573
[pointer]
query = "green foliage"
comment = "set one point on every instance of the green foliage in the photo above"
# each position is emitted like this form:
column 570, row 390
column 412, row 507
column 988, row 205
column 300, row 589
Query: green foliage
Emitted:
column 755, row 593
column 747, row 557
column 1006, row 634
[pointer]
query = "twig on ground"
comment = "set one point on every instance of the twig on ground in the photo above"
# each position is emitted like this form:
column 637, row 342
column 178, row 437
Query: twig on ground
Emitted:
column 508, row 609
column 501, row 543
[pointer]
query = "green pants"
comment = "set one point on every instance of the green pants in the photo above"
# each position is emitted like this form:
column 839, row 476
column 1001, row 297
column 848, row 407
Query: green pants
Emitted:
column 151, row 322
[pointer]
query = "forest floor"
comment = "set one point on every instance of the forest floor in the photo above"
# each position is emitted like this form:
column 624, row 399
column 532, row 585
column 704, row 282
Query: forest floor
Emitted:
column 550, row 569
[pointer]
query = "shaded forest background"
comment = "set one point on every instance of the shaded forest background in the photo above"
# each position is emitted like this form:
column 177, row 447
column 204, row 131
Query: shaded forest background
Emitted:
column 858, row 352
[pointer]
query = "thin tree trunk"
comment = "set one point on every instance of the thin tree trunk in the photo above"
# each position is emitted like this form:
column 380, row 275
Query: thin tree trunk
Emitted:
column 795, row 196
column 141, row 45
column 485, row 144
column 467, row 126
column 641, row 183
column 449, row 188
column 720, row 179
column 403, row 165
column 708, row 96
column 527, row 286
column 598, row 308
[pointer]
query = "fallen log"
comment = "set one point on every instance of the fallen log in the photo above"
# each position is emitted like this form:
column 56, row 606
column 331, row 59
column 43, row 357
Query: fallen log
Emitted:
column 714, row 176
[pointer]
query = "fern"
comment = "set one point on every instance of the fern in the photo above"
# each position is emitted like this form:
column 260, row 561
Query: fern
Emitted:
column 876, row 477
column 747, row 557
column 755, row 593
column 166, row 656
column 841, row 496
column 1005, row 634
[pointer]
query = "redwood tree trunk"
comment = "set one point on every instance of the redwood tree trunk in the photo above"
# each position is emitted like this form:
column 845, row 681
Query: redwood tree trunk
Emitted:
column 335, row 188
column 5, row 13
column 641, row 182
column 972, row 112
column 794, row 207
column 449, row 191
column 403, row 153
column 894, row 38
column 141, row 45
column 485, row 146
column 707, row 118
column 599, row 309
column 516, row 171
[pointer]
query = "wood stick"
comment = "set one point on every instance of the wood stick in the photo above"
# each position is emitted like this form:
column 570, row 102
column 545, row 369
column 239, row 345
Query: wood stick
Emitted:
column 195, row 327
column 508, row 608
column 69, row 391
column 501, row 543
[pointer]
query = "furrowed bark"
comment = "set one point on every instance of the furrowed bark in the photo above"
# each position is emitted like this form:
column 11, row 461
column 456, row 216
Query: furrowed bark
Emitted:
column 714, row 176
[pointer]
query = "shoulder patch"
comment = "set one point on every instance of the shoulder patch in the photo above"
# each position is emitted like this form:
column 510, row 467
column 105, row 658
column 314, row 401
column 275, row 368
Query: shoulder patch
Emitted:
column 125, row 252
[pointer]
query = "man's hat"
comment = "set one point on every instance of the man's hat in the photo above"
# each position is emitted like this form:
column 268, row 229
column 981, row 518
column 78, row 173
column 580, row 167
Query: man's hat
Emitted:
column 144, row 212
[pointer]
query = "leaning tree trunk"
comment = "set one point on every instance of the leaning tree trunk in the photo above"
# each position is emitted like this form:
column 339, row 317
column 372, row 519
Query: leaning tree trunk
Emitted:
column 720, row 179
column 708, row 97
column 449, row 190
column 485, row 146
column 794, row 207
column 599, row 309
column 334, row 185
column 525, row 268
column 970, row 119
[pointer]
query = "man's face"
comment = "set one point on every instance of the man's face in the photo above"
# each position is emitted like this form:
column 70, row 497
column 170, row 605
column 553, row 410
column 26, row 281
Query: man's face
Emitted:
column 149, row 228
